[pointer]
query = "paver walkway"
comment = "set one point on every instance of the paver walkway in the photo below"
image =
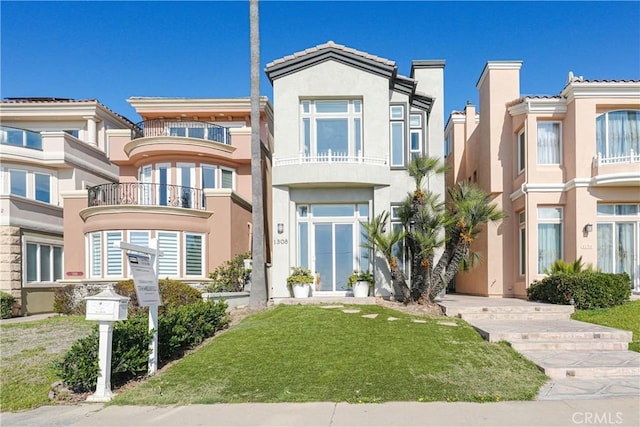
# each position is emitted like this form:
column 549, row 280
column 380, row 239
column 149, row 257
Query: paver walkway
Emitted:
column 584, row 360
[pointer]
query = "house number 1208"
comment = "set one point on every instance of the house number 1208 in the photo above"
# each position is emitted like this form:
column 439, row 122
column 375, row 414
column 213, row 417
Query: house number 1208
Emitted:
column 280, row 241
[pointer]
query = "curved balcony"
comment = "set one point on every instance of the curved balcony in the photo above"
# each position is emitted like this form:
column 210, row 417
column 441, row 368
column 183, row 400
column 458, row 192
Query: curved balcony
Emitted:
column 143, row 194
column 20, row 137
column 616, row 170
column 181, row 129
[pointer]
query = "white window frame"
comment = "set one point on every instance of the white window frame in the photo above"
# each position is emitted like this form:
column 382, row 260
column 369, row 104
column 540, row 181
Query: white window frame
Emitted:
column 397, row 119
column 35, row 187
column 233, row 177
column 552, row 122
column 555, row 220
column 202, row 254
column 521, row 149
column 180, row 192
column 176, row 267
column 416, row 129
column 130, row 240
column 156, row 181
column 145, row 177
column 111, row 253
column 522, row 243
column 353, row 115
column 95, row 269
column 607, row 145
column 26, row 182
column 39, row 243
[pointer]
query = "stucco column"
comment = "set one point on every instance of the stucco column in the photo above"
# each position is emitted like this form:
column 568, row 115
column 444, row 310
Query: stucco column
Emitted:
column 91, row 129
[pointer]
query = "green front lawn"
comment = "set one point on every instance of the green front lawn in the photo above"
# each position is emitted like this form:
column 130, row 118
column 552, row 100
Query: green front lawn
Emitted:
column 626, row 316
column 309, row 353
column 27, row 351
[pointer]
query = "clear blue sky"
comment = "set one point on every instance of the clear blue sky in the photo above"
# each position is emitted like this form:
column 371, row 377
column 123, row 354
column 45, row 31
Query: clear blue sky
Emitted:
column 114, row 50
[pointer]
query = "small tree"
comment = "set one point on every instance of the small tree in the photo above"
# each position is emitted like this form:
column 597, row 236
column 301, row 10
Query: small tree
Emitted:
column 430, row 225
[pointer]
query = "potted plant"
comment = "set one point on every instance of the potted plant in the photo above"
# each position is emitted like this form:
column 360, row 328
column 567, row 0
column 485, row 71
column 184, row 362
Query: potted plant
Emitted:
column 360, row 281
column 300, row 280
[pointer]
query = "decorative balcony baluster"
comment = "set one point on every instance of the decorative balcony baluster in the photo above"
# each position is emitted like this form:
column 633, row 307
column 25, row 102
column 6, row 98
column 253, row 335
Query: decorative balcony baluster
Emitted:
column 144, row 194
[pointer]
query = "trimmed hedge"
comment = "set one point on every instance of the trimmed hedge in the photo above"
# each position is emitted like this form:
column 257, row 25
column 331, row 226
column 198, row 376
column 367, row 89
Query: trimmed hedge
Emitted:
column 173, row 293
column 6, row 305
column 588, row 289
column 179, row 328
column 69, row 299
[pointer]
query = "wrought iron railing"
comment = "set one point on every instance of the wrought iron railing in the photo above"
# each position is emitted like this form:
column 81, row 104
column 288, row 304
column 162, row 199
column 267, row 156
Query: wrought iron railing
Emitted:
column 20, row 137
column 181, row 128
column 142, row 194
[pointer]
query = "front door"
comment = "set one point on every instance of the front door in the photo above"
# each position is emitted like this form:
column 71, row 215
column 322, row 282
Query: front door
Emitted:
column 333, row 255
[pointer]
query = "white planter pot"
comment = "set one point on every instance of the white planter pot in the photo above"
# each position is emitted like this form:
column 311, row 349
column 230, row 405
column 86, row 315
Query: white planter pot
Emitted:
column 361, row 289
column 300, row 290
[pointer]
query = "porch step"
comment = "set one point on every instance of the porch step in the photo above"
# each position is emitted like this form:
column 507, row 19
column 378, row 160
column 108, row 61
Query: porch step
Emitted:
column 570, row 345
column 586, row 364
column 523, row 308
column 531, row 315
column 547, row 331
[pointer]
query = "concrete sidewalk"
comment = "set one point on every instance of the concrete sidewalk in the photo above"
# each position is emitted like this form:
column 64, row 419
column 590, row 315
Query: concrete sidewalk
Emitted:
column 618, row 411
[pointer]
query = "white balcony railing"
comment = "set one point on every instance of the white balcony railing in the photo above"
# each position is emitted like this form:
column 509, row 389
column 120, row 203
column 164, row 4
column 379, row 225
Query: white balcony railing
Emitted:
column 330, row 157
column 600, row 160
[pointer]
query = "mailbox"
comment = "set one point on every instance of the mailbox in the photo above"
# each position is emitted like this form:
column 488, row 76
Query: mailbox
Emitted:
column 107, row 306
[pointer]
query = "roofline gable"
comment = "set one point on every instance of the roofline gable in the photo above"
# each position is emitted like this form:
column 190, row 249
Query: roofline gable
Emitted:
column 295, row 63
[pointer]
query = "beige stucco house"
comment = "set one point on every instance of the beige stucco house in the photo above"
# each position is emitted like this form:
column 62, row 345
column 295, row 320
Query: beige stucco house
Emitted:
column 566, row 170
column 346, row 125
column 184, row 179
column 47, row 146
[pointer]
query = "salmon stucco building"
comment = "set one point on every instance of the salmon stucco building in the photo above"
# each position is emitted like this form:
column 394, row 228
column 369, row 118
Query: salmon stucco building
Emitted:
column 183, row 178
column 566, row 170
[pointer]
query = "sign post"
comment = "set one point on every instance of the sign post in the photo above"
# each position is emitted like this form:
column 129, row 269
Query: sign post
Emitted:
column 143, row 267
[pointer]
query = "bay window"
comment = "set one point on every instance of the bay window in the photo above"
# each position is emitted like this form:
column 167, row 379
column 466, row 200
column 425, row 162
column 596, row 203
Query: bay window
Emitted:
column 618, row 133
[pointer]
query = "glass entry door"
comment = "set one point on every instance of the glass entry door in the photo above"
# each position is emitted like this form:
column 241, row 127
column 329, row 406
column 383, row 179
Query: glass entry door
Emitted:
column 618, row 249
column 333, row 255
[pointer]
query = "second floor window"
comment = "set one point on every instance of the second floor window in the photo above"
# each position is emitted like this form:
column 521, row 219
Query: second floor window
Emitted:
column 331, row 126
column 549, row 143
column 618, row 133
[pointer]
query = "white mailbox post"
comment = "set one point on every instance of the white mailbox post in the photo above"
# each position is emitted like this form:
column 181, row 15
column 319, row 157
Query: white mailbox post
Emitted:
column 106, row 307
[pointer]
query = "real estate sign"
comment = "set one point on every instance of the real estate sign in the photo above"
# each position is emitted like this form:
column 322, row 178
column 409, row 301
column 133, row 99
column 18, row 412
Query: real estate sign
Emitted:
column 144, row 279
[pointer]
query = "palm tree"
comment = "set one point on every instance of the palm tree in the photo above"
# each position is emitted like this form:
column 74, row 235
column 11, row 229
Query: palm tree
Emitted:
column 379, row 240
column 424, row 218
column 469, row 209
column 258, row 297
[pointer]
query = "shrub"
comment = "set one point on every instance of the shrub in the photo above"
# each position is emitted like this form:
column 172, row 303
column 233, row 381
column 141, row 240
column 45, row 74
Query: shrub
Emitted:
column 67, row 301
column 6, row 305
column 179, row 328
column 561, row 266
column 230, row 276
column 588, row 289
column 172, row 292
column 129, row 356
